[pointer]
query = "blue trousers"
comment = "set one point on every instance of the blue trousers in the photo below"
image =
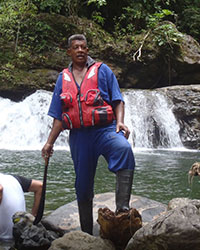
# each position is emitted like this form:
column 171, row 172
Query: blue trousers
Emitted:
column 87, row 144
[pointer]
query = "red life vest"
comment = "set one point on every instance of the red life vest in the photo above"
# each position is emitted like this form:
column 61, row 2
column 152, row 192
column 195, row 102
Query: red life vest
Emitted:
column 84, row 107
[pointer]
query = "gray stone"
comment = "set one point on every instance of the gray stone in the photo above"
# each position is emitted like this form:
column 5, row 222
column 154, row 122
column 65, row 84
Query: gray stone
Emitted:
column 185, row 102
column 81, row 241
column 181, row 202
column 28, row 236
column 178, row 228
column 67, row 218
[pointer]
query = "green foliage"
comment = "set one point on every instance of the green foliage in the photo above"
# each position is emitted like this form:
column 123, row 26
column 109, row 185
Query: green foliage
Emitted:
column 191, row 22
column 30, row 28
column 50, row 6
column 167, row 36
column 12, row 15
column 98, row 3
column 154, row 19
column 96, row 16
column 132, row 17
column 19, row 22
column 130, row 20
column 62, row 7
column 5, row 72
column 36, row 34
column 136, row 20
column 187, row 16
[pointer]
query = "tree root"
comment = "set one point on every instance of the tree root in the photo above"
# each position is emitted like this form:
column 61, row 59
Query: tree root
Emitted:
column 138, row 53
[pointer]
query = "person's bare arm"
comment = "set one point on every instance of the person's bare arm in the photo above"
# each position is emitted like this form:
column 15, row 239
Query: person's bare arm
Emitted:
column 119, row 113
column 36, row 187
column 47, row 150
column 1, row 193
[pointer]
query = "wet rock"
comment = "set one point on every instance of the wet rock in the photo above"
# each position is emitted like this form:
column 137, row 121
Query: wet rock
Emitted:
column 182, row 202
column 67, row 218
column 81, row 241
column 178, row 228
column 32, row 237
column 185, row 101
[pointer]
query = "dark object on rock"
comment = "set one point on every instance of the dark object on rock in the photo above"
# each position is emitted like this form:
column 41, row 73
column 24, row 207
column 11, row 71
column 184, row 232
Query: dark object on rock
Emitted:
column 118, row 228
column 33, row 237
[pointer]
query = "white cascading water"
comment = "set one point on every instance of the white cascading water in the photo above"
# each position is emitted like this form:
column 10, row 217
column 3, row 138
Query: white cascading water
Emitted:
column 25, row 125
column 150, row 119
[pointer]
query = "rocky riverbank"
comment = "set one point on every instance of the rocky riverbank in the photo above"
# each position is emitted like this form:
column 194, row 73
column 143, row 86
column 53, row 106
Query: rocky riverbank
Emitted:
column 173, row 227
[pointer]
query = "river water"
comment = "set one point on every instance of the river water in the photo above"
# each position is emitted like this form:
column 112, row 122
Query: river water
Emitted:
column 162, row 163
column 159, row 175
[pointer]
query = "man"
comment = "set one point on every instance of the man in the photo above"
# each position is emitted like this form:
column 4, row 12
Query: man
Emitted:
column 12, row 188
column 87, row 100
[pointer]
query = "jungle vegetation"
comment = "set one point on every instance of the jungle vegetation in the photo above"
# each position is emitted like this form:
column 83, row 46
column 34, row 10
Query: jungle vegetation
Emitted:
column 120, row 18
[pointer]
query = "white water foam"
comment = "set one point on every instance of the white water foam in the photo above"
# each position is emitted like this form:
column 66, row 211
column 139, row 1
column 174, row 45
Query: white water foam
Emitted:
column 151, row 121
column 25, row 125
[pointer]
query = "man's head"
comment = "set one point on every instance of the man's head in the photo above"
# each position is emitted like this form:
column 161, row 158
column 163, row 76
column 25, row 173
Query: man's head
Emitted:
column 79, row 37
column 77, row 49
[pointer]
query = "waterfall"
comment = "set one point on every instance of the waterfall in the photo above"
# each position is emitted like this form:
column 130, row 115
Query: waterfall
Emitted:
column 150, row 119
column 25, row 125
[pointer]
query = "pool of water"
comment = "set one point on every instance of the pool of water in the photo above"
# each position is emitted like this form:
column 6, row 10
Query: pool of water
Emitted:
column 159, row 175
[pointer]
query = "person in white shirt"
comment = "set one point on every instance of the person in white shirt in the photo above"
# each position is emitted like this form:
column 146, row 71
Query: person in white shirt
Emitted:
column 12, row 188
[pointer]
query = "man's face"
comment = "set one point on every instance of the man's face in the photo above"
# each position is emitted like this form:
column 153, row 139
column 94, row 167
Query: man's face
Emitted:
column 78, row 51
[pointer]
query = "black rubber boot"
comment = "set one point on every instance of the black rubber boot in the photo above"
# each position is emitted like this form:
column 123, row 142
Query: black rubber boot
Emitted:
column 86, row 216
column 124, row 180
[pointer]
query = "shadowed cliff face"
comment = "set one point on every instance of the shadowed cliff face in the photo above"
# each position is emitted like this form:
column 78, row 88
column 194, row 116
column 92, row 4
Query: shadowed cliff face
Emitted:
column 186, row 108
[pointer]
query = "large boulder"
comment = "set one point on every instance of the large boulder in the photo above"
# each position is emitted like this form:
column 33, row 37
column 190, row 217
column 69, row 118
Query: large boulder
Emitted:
column 175, row 62
column 179, row 228
column 67, row 218
column 182, row 202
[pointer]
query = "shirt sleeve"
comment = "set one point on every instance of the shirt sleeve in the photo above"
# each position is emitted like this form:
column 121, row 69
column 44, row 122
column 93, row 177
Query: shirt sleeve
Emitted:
column 108, row 85
column 55, row 109
column 24, row 182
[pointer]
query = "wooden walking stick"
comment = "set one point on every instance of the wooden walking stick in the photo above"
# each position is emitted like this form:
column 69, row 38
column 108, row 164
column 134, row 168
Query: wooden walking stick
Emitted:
column 40, row 211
